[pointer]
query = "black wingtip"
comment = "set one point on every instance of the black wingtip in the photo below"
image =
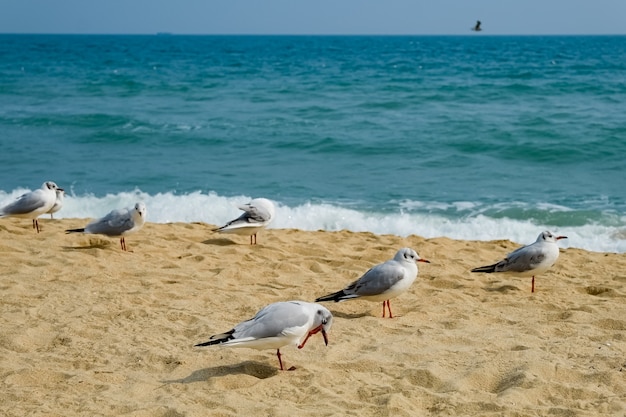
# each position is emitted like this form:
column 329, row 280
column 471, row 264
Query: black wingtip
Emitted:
column 210, row 342
column 218, row 338
column 487, row 268
column 75, row 230
column 336, row 297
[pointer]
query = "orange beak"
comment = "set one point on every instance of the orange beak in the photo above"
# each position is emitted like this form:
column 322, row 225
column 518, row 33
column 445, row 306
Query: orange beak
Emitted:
column 560, row 237
column 318, row 329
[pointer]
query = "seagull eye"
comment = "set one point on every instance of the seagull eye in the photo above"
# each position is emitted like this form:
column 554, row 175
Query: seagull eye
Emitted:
column 324, row 319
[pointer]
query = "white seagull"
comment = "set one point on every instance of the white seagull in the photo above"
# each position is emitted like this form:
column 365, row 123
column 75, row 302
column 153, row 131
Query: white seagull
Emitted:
column 58, row 204
column 117, row 223
column 277, row 325
column 529, row 260
column 383, row 281
column 33, row 204
column 258, row 213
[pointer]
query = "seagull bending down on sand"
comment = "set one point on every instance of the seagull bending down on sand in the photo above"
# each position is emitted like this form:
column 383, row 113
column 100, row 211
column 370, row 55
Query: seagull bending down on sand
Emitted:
column 118, row 223
column 258, row 213
column 277, row 325
column 529, row 260
column 33, row 204
column 383, row 281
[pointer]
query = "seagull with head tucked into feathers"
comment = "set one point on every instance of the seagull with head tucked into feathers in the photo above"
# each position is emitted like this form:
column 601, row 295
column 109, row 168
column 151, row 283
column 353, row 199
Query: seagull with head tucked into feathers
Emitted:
column 258, row 213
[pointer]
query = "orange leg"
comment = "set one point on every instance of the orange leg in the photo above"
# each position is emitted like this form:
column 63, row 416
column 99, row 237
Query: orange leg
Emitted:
column 388, row 304
column 279, row 360
column 532, row 287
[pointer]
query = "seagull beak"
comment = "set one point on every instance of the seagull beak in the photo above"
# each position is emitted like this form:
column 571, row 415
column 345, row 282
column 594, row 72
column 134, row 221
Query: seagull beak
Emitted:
column 560, row 237
column 60, row 189
column 423, row 260
column 312, row 332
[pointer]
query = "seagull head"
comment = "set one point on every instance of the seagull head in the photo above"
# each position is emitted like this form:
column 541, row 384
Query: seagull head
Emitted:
column 549, row 237
column 322, row 321
column 409, row 255
column 139, row 212
column 51, row 186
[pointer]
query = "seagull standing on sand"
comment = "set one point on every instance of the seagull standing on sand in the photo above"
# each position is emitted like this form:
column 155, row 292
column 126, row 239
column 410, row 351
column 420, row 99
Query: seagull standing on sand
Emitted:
column 383, row 281
column 529, row 260
column 117, row 223
column 33, row 204
column 58, row 204
column 258, row 213
column 277, row 325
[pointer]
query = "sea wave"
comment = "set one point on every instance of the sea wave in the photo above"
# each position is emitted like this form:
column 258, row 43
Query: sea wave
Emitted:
column 464, row 220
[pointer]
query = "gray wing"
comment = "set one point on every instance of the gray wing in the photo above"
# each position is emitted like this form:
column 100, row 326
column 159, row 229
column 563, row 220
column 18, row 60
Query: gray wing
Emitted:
column 254, row 213
column 521, row 260
column 242, row 220
column 377, row 280
column 271, row 321
column 248, row 218
column 113, row 224
column 24, row 204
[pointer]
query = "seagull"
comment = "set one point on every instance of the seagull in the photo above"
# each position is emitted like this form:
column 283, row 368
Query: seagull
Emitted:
column 383, row 281
column 529, row 260
column 477, row 27
column 58, row 204
column 258, row 213
column 117, row 223
column 33, row 204
column 277, row 325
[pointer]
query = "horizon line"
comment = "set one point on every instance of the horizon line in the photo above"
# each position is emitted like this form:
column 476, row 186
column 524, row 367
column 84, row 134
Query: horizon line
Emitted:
column 167, row 33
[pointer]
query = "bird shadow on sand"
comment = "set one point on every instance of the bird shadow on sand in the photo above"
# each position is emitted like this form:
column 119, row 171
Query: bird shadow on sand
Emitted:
column 502, row 288
column 91, row 243
column 90, row 246
column 255, row 369
column 349, row 316
column 219, row 242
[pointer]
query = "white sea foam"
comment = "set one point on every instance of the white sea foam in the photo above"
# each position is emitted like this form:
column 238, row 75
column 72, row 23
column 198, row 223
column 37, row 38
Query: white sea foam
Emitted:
column 412, row 218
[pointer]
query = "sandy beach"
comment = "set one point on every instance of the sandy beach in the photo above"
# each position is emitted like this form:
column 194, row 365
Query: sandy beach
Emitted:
column 89, row 330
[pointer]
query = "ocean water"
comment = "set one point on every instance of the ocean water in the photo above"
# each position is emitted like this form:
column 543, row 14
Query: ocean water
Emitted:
column 470, row 137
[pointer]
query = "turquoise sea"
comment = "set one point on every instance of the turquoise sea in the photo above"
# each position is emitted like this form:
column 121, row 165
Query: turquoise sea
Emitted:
column 470, row 137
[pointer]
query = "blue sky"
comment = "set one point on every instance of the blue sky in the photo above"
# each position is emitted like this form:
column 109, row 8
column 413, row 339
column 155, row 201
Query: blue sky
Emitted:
column 422, row 17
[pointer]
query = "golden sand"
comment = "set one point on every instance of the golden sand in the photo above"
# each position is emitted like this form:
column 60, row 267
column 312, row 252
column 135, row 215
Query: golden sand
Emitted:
column 89, row 330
